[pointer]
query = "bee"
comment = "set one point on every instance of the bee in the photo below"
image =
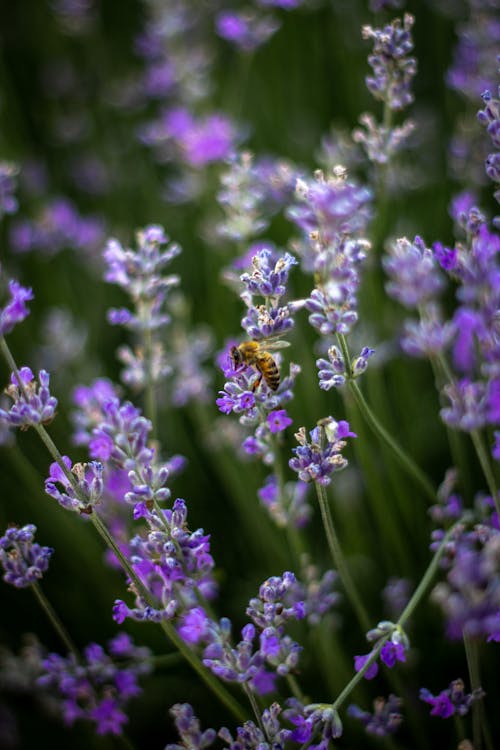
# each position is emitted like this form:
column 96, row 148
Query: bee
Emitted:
column 253, row 354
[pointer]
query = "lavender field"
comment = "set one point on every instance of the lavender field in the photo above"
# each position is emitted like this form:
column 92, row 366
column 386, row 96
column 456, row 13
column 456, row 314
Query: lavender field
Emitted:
column 250, row 368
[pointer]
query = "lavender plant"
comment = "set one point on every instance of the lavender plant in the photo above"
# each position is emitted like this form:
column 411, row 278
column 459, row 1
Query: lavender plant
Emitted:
column 300, row 541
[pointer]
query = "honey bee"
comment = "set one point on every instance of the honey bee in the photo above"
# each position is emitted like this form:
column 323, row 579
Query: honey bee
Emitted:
column 253, row 354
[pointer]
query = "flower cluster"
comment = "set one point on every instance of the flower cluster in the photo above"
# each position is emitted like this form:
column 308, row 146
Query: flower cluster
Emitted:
column 248, row 31
column 333, row 372
column 23, row 560
column 470, row 596
column 393, row 68
column 173, row 564
column 490, row 118
column 98, row 688
column 331, row 213
column 385, row 719
column 15, row 311
column 318, row 722
column 56, row 227
column 317, row 459
column 452, row 701
column 78, row 488
column 33, row 403
column 276, row 650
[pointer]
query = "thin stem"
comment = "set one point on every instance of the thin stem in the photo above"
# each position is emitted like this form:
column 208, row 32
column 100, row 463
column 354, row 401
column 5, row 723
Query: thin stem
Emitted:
column 150, row 395
column 486, row 467
column 405, row 460
column 54, row 619
column 255, row 708
column 295, row 688
column 338, row 558
column 407, row 612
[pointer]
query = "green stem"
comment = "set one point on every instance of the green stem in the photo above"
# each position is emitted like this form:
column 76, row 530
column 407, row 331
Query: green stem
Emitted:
column 338, row 558
column 405, row 615
column 150, row 396
column 255, row 708
column 404, row 459
column 295, row 688
column 54, row 619
column 486, row 467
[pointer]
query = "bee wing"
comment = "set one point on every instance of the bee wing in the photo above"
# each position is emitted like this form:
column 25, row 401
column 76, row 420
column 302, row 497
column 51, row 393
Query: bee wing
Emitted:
column 275, row 345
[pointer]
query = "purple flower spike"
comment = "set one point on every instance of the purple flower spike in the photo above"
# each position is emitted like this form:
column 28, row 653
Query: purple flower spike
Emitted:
column 393, row 68
column 15, row 310
column 317, row 459
column 33, row 403
column 24, row 561
column 80, row 495
column 385, row 719
column 451, row 701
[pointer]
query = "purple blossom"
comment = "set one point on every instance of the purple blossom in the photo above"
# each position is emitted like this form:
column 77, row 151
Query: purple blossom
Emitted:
column 288, row 507
column 269, row 609
column 58, row 226
column 96, row 688
column 33, row 403
column 188, row 727
column 385, row 719
column 428, row 337
column 248, row 31
column 467, row 410
column 316, row 460
column 393, row 68
column 83, row 492
column 415, row 278
column 313, row 722
column 470, row 595
column 15, row 311
column 278, row 420
column 172, row 564
column 269, row 275
column 139, row 273
column 271, row 737
column 24, row 561
column 359, row 663
column 451, row 701
column 331, row 207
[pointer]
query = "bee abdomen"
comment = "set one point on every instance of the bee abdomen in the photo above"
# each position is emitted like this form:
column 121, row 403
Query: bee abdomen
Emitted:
column 270, row 372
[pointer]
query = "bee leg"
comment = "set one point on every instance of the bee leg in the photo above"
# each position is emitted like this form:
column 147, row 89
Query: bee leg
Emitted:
column 256, row 383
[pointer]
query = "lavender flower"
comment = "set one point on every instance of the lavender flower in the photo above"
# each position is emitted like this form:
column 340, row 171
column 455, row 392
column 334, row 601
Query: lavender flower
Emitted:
column 490, row 118
column 385, row 719
column 58, row 226
column 24, row 561
column 317, row 721
column 332, row 373
column 316, row 460
column 33, row 403
column 287, row 507
column 470, row 596
column 81, row 494
column 451, row 701
column 415, row 278
column 271, row 737
column 15, row 311
column 99, row 688
column 138, row 272
column 188, row 727
column 393, row 69
column 248, row 31
column 172, row 564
